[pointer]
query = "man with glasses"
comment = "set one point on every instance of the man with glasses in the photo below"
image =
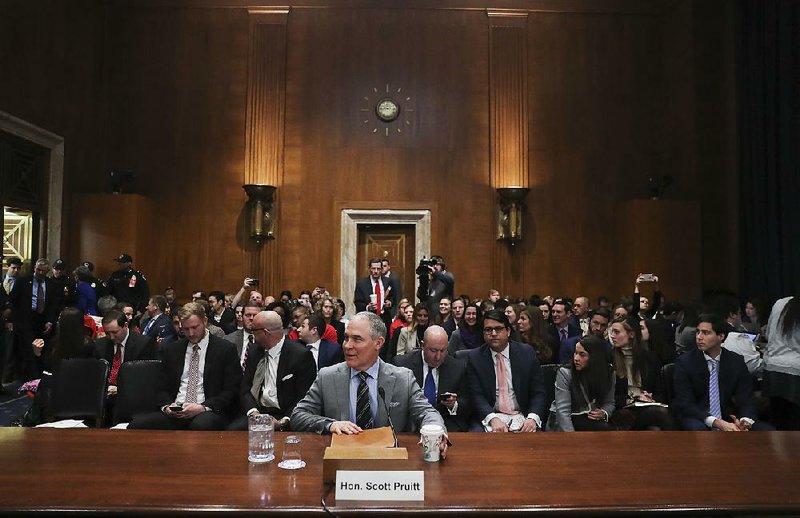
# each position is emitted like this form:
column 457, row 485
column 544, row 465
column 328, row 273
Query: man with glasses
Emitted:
column 200, row 379
column 505, row 380
column 278, row 374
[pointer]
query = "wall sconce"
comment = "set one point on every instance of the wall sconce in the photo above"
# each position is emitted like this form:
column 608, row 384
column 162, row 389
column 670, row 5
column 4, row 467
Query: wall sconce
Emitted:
column 259, row 209
column 509, row 213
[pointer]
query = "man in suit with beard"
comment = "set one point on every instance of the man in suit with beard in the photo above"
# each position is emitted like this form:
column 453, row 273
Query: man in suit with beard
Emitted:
column 199, row 382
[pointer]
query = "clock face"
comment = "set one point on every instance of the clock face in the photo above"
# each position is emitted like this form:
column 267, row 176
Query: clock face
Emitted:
column 387, row 110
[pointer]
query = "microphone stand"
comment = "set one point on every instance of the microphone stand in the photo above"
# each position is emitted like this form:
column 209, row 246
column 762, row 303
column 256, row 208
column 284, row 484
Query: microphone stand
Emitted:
column 382, row 394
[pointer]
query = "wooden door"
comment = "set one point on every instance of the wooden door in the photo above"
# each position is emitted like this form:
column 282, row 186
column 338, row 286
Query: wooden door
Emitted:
column 393, row 242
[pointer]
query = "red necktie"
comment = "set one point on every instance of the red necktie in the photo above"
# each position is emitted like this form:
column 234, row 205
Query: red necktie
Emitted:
column 115, row 363
column 378, row 300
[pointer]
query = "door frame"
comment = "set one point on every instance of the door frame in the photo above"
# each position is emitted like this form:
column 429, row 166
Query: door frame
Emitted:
column 55, row 179
column 351, row 218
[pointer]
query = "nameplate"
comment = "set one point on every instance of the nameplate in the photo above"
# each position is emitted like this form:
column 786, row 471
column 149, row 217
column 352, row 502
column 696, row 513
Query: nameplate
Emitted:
column 380, row 485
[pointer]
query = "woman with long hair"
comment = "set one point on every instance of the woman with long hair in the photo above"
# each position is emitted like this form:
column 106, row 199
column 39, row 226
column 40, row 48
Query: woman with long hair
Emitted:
column 70, row 340
column 584, row 396
column 755, row 316
column 327, row 308
column 638, row 380
column 469, row 334
column 445, row 314
column 410, row 338
column 532, row 329
column 512, row 312
column 782, row 364
column 405, row 312
column 456, row 316
column 655, row 341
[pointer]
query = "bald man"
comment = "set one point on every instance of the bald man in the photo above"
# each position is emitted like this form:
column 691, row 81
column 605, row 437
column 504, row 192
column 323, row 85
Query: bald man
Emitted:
column 278, row 373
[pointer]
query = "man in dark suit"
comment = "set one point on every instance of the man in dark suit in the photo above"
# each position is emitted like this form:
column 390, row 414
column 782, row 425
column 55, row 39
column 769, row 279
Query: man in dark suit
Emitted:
column 120, row 345
column 223, row 316
column 200, row 379
column 158, row 325
column 243, row 338
column 394, row 280
column 509, row 369
column 375, row 284
column 278, row 374
column 436, row 284
column 563, row 328
column 443, row 378
column 36, row 302
column 326, row 353
column 713, row 389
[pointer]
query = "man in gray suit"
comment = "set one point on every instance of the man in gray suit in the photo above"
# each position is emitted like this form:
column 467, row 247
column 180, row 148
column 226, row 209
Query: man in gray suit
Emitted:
column 336, row 402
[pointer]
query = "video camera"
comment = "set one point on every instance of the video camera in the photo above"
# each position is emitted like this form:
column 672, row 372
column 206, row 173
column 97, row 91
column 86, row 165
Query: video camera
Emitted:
column 424, row 266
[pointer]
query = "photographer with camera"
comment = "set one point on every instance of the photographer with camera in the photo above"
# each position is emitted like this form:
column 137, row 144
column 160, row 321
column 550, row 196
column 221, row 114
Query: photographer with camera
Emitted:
column 435, row 282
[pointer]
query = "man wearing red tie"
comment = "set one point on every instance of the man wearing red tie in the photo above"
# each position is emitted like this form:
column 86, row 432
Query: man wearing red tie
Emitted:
column 374, row 293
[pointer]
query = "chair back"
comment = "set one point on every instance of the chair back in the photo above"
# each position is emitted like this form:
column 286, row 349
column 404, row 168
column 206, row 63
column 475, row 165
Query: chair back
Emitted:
column 462, row 353
column 549, row 374
column 137, row 387
column 79, row 389
column 666, row 381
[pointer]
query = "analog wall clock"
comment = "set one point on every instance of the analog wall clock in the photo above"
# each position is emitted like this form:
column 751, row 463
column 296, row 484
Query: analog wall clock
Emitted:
column 386, row 111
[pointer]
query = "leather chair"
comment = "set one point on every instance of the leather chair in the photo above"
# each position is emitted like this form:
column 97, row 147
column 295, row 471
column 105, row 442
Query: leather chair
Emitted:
column 549, row 374
column 666, row 381
column 79, row 390
column 137, row 385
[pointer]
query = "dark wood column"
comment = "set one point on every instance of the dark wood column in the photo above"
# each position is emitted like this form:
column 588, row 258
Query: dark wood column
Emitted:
column 264, row 132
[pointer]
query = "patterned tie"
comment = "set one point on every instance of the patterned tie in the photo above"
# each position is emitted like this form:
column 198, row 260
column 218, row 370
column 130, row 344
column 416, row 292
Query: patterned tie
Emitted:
column 563, row 336
column 378, row 301
column 713, row 390
column 149, row 325
column 40, row 298
column 115, row 363
column 363, row 408
column 250, row 341
column 504, row 400
column 7, row 285
column 430, row 388
column 194, row 375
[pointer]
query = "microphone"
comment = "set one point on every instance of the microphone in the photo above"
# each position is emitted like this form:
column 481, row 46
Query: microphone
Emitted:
column 382, row 394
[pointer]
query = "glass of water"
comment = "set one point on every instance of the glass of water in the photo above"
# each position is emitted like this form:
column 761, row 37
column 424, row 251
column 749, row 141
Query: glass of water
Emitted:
column 260, row 432
column 292, row 453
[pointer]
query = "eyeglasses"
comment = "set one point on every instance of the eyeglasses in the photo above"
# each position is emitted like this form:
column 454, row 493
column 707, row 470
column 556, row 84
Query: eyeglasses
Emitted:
column 490, row 330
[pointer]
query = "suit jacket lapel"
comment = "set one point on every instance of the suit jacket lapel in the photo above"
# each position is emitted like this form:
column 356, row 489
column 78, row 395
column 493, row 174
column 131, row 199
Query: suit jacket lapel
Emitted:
column 386, row 380
column 489, row 374
column 343, row 392
column 418, row 369
column 516, row 363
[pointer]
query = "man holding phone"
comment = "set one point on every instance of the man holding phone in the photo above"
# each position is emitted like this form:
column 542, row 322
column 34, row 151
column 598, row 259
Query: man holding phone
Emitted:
column 442, row 378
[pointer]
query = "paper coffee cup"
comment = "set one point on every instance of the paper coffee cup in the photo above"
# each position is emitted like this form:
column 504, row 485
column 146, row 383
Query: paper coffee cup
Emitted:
column 431, row 438
column 373, row 299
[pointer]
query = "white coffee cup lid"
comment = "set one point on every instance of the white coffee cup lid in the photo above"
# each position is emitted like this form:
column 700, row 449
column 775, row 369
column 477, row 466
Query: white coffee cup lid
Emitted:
column 431, row 429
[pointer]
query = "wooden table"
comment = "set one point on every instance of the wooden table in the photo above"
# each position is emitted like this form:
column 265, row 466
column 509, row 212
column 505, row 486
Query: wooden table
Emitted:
column 612, row 472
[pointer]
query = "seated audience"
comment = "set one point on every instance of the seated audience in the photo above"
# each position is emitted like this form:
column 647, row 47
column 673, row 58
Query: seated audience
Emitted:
column 442, row 377
column 244, row 338
column 713, row 389
column 411, row 337
column 584, row 396
column 279, row 373
column 327, row 308
column 405, row 313
column 326, row 353
column 200, row 379
column 456, row 316
column 505, row 380
column 469, row 334
column 782, row 363
column 533, row 331
column 639, row 386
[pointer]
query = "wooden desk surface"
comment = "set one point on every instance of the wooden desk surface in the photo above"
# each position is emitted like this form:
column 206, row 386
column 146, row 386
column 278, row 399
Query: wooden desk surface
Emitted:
column 167, row 472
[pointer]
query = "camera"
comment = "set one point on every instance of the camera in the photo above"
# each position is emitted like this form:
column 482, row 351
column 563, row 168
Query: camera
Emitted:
column 424, row 265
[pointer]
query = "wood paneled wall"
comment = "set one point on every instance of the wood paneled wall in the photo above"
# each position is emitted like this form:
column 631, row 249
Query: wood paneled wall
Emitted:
column 167, row 98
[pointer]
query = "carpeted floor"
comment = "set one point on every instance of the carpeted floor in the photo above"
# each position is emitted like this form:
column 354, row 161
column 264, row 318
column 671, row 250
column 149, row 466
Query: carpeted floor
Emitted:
column 12, row 406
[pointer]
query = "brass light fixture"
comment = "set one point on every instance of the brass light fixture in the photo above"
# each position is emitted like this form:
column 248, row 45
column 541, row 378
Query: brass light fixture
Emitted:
column 509, row 213
column 260, row 211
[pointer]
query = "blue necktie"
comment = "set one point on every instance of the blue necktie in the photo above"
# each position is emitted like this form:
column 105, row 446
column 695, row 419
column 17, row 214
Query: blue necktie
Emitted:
column 713, row 390
column 430, row 388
